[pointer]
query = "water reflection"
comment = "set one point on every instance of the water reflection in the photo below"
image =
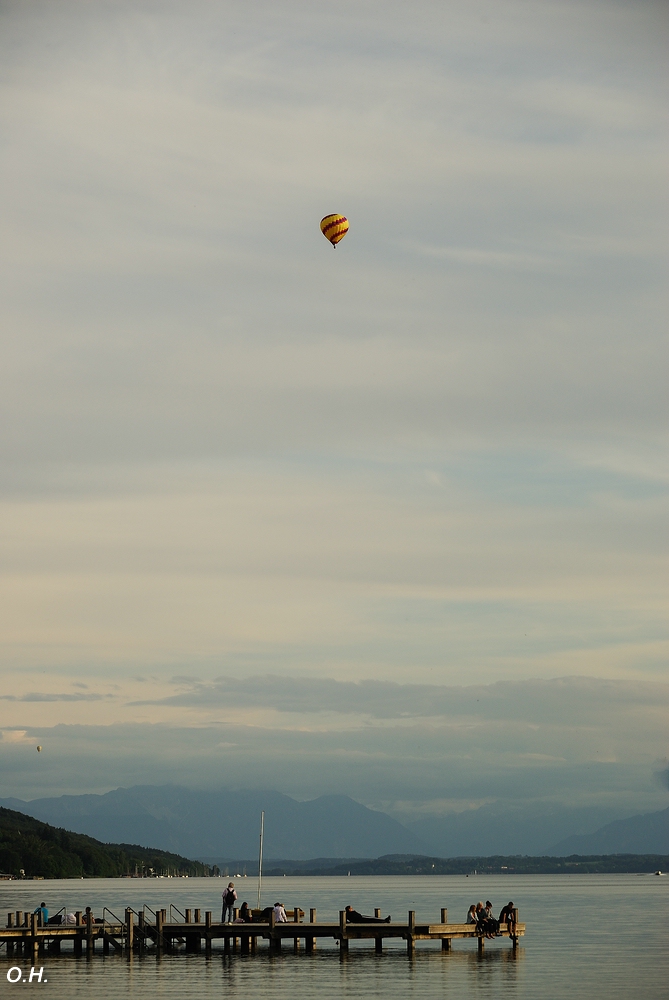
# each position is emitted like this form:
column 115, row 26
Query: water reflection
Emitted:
column 560, row 959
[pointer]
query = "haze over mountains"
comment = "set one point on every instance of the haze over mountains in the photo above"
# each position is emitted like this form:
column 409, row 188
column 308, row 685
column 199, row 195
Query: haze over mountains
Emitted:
column 633, row 835
column 224, row 825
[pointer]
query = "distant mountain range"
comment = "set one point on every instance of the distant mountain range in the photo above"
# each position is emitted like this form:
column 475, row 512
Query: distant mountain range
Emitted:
column 222, row 825
column 509, row 828
column 645, row 834
column 225, row 824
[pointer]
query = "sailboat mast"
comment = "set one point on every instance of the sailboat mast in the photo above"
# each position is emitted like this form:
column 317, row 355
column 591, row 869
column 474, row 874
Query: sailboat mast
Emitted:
column 262, row 833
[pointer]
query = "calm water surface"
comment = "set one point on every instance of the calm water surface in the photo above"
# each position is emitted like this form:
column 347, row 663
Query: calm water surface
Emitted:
column 588, row 936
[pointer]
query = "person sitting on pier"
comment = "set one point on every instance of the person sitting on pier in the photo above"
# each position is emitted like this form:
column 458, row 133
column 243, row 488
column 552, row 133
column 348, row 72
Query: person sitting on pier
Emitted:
column 508, row 917
column 492, row 923
column 245, row 915
column 94, row 919
column 353, row 917
column 43, row 914
column 472, row 917
column 484, row 927
column 280, row 914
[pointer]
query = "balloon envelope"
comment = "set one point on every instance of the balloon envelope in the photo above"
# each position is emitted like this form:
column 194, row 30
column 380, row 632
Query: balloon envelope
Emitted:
column 334, row 228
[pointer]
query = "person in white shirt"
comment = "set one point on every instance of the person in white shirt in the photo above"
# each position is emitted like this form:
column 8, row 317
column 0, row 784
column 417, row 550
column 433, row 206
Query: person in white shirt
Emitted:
column 280, row 914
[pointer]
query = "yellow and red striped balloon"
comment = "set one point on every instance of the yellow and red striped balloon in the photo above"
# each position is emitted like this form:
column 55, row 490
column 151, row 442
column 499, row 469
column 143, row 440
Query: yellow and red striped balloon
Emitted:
column 334, row 228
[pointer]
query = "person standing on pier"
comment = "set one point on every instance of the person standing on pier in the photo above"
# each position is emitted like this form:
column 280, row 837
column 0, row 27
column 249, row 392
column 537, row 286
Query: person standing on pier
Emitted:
column 229, row 897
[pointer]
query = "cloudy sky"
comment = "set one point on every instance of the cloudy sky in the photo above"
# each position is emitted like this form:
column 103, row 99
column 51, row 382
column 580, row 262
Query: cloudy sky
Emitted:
column 390, row 520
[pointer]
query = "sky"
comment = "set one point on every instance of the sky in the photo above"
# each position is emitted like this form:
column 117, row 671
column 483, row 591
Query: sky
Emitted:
column 389, row 520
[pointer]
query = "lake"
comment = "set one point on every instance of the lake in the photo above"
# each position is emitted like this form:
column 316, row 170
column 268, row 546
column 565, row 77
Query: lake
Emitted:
column 587, row 936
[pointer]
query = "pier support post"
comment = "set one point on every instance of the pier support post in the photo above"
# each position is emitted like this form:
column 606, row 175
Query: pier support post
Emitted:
column 129, row 929
column 274, row 939
column 513, row 928
column 378, row 945
column 78, row 941
column 10, row 944
column 481, row 943
column 141, row 934
column 207, row 932
column 89, row 931
column 198, row 917
column 34, row 940
column 343, row 940
column 310, row 940
column 193, row 941
column 377, row 912
column 445, row 942
column 296, row 920
column 159, row 929
column 411, row 944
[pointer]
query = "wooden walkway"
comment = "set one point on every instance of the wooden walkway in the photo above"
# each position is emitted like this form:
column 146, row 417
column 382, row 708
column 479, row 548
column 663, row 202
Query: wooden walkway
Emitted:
column 137, row 932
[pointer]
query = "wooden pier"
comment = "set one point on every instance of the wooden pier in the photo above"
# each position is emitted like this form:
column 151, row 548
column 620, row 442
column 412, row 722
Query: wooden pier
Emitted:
column 159, row 930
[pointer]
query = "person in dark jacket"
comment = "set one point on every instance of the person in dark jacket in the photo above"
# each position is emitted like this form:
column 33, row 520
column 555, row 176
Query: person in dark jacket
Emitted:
column 353, row 917
column 508, row 917
column 229, row 898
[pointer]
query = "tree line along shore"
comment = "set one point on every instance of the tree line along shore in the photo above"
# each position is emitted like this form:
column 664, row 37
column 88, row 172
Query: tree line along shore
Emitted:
column 32, row 849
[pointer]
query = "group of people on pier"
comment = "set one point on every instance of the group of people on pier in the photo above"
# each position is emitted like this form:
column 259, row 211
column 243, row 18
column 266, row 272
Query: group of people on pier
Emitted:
column 245, row 915
column 486, row 925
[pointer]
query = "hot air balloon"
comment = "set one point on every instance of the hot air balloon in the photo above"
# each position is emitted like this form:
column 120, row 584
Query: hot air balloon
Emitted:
column 39, row 749
column 334, row 228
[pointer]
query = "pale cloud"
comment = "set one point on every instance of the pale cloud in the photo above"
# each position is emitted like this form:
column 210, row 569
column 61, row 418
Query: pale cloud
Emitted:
column 571, row 743
column 16, row 736
column 515, row 568
column 45, row 696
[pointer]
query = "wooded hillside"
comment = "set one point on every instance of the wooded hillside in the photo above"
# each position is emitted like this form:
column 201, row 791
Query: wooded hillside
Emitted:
column 40, row 849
